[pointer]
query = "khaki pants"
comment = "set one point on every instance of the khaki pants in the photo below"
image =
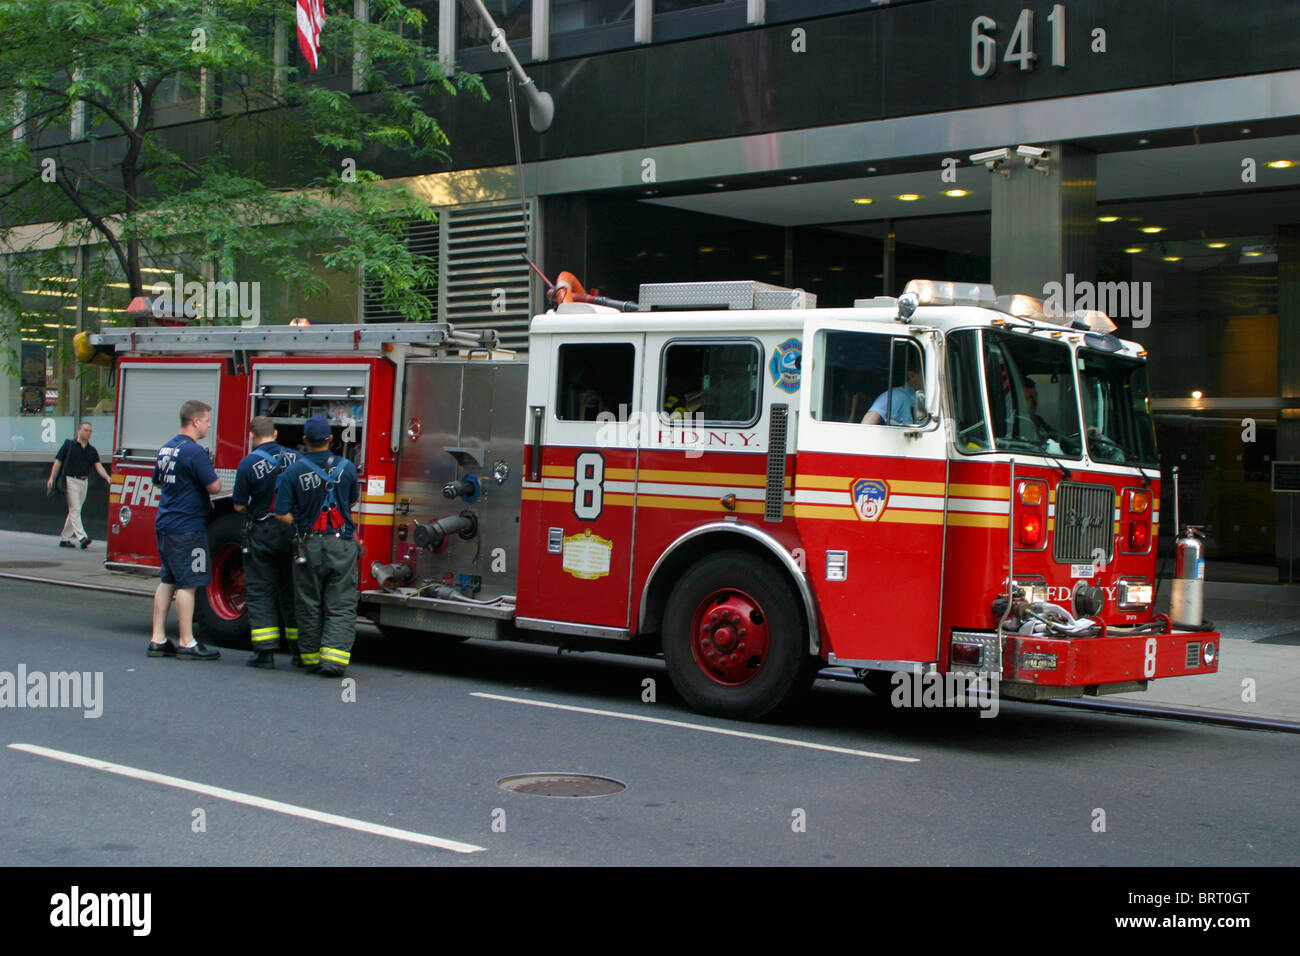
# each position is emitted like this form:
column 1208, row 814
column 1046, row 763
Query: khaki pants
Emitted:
column 72, row 529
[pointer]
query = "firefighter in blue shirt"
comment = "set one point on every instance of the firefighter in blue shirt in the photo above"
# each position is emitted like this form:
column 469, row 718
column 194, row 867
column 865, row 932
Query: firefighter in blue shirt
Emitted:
column 316, row 495
column 185, row 474
column 268, row 544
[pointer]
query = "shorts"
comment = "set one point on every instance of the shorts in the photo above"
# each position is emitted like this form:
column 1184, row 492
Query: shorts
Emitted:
column 184, row 559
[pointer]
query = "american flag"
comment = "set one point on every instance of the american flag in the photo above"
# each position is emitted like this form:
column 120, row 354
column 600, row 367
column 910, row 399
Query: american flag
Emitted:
column 311, row 17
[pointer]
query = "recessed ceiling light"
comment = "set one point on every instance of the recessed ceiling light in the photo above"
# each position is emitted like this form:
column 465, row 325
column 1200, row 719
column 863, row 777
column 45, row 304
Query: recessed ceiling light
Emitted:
column 836, row 268
column 1253, row 252
column 706, row 248
column 1152, row 230
column 871, row 169
column 907, row 197
column 794, row 179
column 1281, row 164
column 1108, row 218
column 649, row 192
column 1198, row 394
column 718, row 185
column 1172, row 258
column 956, row 193
column 864, row 201
column 1133, row 250
column 1216, row 245
column 1245, row 131
column 1143, row 142
column 761, row 256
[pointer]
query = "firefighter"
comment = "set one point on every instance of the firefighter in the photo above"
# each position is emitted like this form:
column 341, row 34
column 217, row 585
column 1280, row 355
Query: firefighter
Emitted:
column 316, row 495
column 268, row 545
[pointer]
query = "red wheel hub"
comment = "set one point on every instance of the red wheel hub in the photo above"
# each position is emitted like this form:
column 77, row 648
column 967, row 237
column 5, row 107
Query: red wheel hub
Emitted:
column 226, row 592
column 729, row 637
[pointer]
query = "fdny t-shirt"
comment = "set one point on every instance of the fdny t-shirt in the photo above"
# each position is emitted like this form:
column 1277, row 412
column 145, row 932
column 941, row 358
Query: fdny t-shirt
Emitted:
column 255, row 479
column 183, row 472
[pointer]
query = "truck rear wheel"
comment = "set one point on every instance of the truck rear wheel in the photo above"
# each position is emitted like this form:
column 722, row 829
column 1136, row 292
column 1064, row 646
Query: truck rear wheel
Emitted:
column 219, row 616
column 734, row 640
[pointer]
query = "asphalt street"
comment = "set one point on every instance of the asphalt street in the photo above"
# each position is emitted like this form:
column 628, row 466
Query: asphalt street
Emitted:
column 433, row 728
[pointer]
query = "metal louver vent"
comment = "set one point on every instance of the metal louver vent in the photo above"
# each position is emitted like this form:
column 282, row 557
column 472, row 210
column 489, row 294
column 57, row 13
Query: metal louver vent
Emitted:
column 774, row 500
column 422, row 240
column 485, row 282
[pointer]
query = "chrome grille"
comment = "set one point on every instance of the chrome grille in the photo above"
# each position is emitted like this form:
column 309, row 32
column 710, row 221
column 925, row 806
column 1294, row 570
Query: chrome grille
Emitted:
column 1193, row 653
column 774, row 500
column 1084, row 521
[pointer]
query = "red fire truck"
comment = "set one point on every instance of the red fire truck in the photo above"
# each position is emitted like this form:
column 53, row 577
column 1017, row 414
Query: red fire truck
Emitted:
column 755, row 487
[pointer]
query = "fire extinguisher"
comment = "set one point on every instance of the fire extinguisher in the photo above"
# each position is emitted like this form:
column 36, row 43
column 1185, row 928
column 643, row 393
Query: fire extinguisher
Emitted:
column 1186, row 602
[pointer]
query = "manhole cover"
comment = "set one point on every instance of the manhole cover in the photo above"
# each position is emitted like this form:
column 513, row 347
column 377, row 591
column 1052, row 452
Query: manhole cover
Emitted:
column 26, row 565
column 561, row 784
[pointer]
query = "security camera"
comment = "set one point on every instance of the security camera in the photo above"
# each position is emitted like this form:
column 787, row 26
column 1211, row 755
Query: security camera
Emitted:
column 1034, row 152
column 992, row 157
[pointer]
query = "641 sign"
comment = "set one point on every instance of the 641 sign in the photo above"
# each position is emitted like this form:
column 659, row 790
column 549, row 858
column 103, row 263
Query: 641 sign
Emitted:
column 1020, row 45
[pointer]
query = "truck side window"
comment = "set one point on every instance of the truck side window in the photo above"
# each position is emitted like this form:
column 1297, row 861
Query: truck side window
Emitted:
column 857, row 379
column 595, row 378
column 714, row 382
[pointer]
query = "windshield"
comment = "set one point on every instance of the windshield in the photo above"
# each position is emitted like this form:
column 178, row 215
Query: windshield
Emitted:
column 1116, row 409
column 1029, row 387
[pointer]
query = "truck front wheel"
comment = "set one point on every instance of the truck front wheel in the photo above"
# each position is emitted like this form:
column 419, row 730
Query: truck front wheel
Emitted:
column 219, row 616
column 734, row 640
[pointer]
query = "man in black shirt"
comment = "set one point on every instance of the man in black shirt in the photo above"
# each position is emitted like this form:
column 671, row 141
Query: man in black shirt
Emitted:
column 76, row 458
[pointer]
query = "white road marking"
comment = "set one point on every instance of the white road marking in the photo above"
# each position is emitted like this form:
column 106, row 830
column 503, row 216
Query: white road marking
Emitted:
column 708, row 730
column 250, row 800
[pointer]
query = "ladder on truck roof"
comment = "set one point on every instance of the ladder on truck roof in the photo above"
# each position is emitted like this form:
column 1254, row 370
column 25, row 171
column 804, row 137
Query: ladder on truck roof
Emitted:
column 314, row 338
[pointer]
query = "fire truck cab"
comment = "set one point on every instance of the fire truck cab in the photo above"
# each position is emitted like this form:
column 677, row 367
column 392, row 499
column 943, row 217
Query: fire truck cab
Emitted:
column 755, row 487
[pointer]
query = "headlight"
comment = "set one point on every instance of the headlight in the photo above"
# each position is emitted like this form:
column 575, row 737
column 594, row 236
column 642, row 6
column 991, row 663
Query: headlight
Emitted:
column 124, row 515
column 1207, row 652
column 1134, row 594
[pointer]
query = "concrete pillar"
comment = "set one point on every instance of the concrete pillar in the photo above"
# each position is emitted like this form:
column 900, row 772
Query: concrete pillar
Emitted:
column 1044, row 226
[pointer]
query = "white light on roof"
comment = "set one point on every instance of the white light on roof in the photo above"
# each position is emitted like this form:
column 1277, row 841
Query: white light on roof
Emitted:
column 1093, row 320
column 1021, row 306
column 930, row 292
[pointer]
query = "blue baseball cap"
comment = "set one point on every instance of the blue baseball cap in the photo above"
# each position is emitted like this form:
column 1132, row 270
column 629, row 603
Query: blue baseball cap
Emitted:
column 316, row 429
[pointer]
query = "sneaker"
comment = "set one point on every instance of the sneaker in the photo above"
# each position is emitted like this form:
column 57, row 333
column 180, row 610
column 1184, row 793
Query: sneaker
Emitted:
column 66, row 544
column 85, row 543
column 165, row 649
column 261, row 659
column 196, row 652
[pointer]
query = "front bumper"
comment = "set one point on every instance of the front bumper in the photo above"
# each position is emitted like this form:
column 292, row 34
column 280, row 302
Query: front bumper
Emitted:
column 1113, row 659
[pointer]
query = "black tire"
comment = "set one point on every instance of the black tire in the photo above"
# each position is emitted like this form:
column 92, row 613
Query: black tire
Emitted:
column 721, row 602
column 219, row 615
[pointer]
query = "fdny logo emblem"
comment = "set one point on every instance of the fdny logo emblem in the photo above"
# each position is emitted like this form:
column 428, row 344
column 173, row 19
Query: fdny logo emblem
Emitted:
column 869, row 497
column 785, row 365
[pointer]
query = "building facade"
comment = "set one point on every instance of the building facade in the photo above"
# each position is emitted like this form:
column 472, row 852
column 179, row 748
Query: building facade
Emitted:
column 1139, row 158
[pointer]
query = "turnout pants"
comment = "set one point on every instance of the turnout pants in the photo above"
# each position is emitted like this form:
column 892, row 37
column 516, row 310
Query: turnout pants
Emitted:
column 268, row 584
column 325, row 595
column 72, row 528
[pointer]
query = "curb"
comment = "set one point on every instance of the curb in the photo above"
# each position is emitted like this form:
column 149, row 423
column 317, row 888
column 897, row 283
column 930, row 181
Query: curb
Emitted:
column 1175, row 713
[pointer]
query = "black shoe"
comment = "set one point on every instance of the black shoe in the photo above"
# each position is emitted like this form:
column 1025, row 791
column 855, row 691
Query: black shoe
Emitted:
column 196, row 652
column 262, row 659
column 165, row 649
column 66, row 544
column 326, row 670
column 85, row 543
column 296, row 660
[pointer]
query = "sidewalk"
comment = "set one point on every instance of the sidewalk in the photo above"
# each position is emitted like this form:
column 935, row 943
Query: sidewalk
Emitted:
column 1260, row 625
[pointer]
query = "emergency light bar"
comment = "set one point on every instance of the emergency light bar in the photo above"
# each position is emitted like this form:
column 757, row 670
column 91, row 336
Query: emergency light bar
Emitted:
column 930, row 292
column 1021, row 306
column 1092, row 320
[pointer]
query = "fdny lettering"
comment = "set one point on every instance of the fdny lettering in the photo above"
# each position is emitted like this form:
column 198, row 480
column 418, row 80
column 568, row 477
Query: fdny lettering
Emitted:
column 262, row 467
column 1060, row 594
column 678, row 436
column 309, row 481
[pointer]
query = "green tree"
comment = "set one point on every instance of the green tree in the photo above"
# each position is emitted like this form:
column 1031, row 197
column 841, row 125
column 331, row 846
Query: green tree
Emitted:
column 277, row 178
